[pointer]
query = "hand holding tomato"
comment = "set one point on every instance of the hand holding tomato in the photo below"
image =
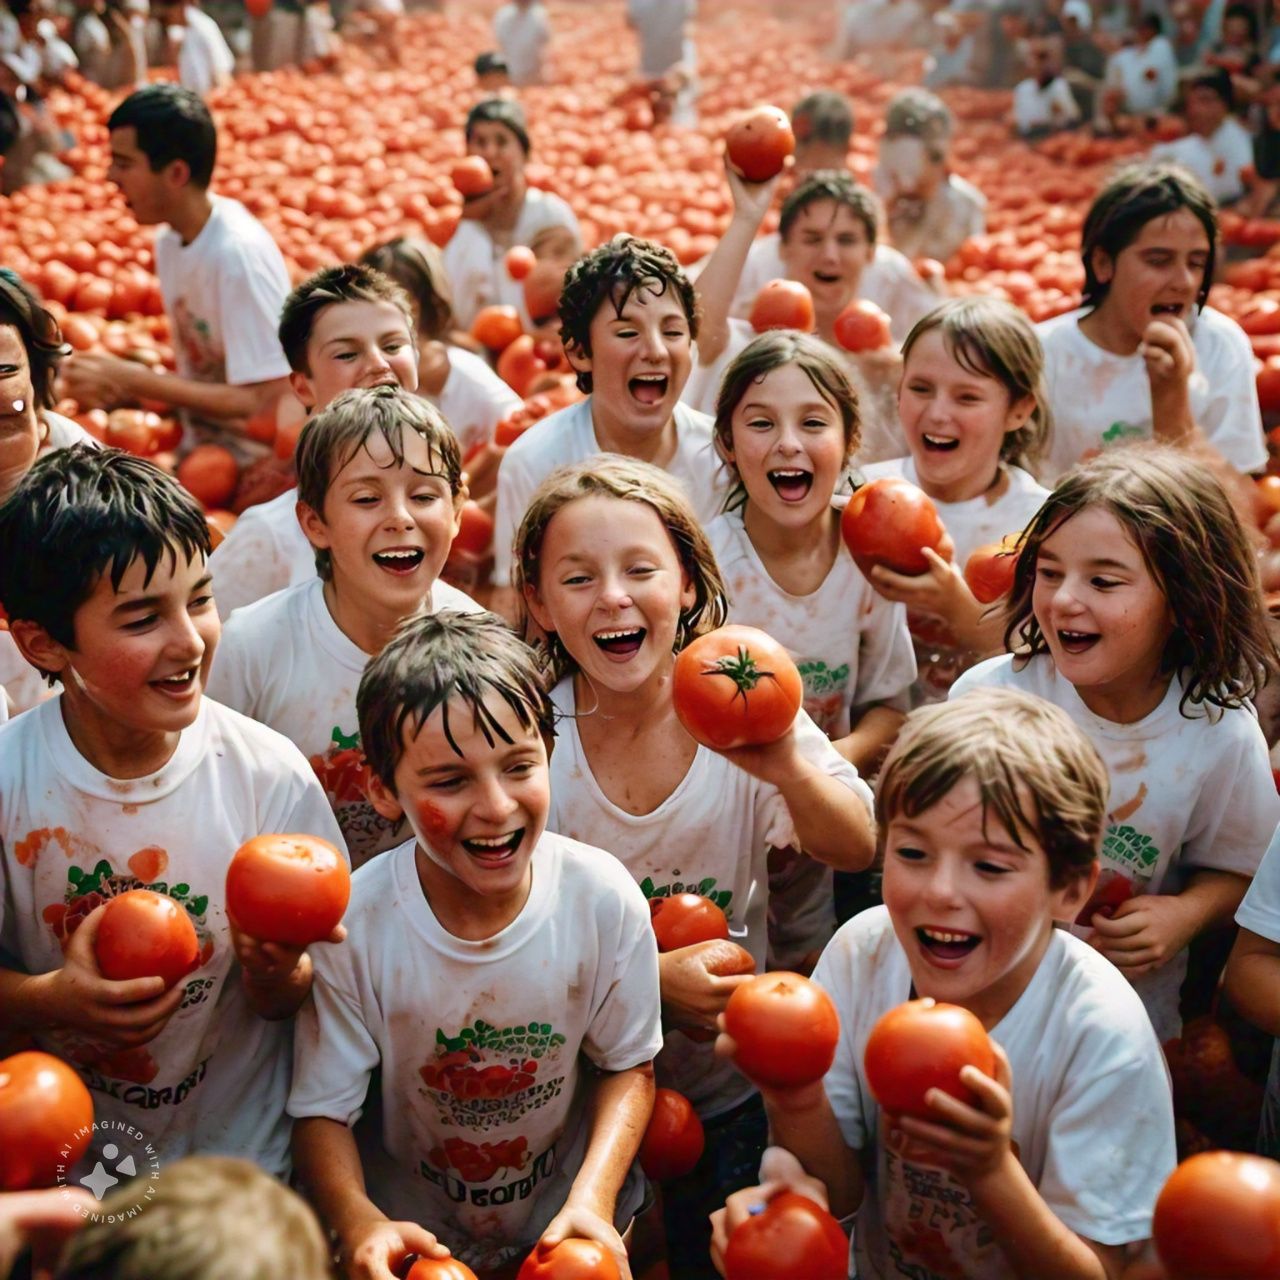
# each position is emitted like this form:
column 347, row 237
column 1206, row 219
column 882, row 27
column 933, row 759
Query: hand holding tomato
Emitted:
column 377, row 1248
column 573, row 1227
column 96, row 381
column 1168, row 354
column 751, row 200
column 697, row 981
column 43, row 1221
column 1144, row 933
column 266, row 964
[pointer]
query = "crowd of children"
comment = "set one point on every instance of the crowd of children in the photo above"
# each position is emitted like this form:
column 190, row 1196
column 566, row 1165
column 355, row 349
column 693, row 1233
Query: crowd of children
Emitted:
column 1013, row 807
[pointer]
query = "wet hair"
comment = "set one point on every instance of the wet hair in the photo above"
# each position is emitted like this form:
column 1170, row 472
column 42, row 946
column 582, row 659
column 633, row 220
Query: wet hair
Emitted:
column 612, row 273
column 417, row 266
column 917, row 113
column 1036, row 771
column 830, row 184
column 771, row 351
column 434, row 658
column 329, row 287
column 333, row 437
column 991, row 338
column 38, row 332
column 1180, row 518
column 613, row 476
column 171, row 123
column 1136, row 195
column 504, row 111
column 83, row 513
column 825, row 117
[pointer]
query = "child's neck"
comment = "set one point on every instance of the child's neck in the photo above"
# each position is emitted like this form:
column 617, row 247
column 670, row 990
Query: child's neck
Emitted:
column 1128, row 701
column 637, row 709
column 119, row 751
column 798, row 560
column 368, row 623
column 190, row 213
column 461, row 911
column 615, row 435
column 983, row 485
column 1105, row 329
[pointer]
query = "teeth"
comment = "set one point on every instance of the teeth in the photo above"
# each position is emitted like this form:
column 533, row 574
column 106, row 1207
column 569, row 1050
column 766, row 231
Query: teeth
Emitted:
column 790, row 475
column 939, row 935
column 939, row 439
column 408, row 553
column 1075, row 635
column 492, row 842
column 181, row 678
column 616, row 635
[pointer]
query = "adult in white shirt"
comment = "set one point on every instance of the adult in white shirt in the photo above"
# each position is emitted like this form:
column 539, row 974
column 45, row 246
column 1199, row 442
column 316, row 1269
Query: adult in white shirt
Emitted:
column 1043, row 102
column 522, row 33
column 222, row 276
column 1219, row 148
column 1142, row 78
column 205, row 60
column 511, row 213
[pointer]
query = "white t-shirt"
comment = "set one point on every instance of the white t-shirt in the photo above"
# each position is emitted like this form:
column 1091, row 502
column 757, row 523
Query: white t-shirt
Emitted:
column 1147, row 76
column 522, row 34
column 1181, row 800
column 1037, row 106
column 1217, row 160
column 1260, row 913
column 473, row 399
column 476, row 263
column 1092, row 1111
column 955, row 211
column 660, row 26
column 569, row 435
column 205, row 59
column 216, row 1079
column 710, row 836
column 972, row 524
column 305, row 689
column 481, row 1044
column 223, row 293
column 1100, row 399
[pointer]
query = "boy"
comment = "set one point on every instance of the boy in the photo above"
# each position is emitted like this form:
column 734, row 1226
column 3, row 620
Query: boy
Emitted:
column 222, row 276
column 1217, row 148
column 379, row 496
column 628, row 320
column 477, row 980
column 343, row 327
column 132, row 778
column 992, row 809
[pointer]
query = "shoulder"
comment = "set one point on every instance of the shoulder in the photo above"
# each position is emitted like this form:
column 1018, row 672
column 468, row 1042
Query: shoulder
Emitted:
column 862, row 951
column 891, row 467
column 271, row 612
column 269, row 755
column 64, row 432
column 891, row 262
column 1059, row 331
column 240, row 238
column 550, row 442
column 444, row 596
column 995, row 672
column 281, row 513
column 587, row 866
column 694, row 425
column 468, row 367
column 725, row 534
column 1217, row 336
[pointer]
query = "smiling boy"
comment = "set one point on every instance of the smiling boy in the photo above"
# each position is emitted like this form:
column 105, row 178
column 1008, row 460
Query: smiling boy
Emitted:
column 379, row 496
column 991, row 809
column 505, row 978
column 132, row 778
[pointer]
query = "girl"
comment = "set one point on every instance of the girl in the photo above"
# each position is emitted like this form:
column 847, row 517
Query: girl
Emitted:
column 618, row 576
column 1136, row 608
column 972, row 407
column 1145, row 357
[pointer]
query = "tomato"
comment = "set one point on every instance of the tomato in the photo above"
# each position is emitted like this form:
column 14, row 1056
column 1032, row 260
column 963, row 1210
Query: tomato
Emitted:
column 440, row 1269
column 80, row 333
column 862, row 326
column 471, row 176
column 144, row 934
column 520, row 365
column 674, row 1140
column 46, row 1120
column 291, row 889
column 1267, row 492
column 1218, row 1218
column 922, row 1045
column 785, row 1028
column 520, row 261
column 220, row 524
column 542, row 295
column 684, row 919
column 989, row 570
column 792, row 1238
column 570, row 1260
column 210, row 474
column 128, row 429
column 496, row 327
column 258, row 8
column 889, row 522
column 759, row 143
column 783, row 304
column 1113, row 889
column 736, row 686
column 475, row 535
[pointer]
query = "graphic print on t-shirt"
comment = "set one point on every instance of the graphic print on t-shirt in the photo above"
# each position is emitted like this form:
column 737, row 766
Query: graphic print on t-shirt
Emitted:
column 344, row 774
column 1119, row 433
column 824, row 692
column 703, row 888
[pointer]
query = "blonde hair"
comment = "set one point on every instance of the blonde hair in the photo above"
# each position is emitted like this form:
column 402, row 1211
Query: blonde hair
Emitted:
column 1035, row 769
column 629, row 480
column 991, row 338
column 211, row 1218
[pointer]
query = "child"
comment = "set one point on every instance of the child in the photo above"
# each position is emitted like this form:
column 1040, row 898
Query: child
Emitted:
column 1217, row 148
column 973, row 411
column 131, row 778
column 522, row 33
column 342, row 328
column 1145, row 356
column 1136, row 608
column 628, row 320
column 991, row 810
column 618, row 576
column 485, row 958
column 1043, row 102
column 1141, row 79
column 379, row 496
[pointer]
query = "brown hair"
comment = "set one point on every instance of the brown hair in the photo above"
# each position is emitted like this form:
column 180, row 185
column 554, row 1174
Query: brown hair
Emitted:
column 991, row 338
column 1180, row 518
column 831, row 184
column 613, row 476
column 417, row 266
column 1034, row 767
column 37, row 330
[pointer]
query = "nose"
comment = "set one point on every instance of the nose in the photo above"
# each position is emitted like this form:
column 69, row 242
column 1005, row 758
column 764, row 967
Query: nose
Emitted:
column 789, row 442
column 943, row 887
column 375, row 360
column 185, row 643
column 615, row 593
column 493, row 804
column 398, row 513
column 651, row 345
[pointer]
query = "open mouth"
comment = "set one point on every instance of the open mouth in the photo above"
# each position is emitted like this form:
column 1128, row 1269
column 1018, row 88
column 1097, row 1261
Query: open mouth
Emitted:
column 399, row 560
column 178, row 685
column 828, row 277
column 620, row 643
column 494, row 850
column 1168, row 309
column 791, row 485
column 649, row 388
column 946, row 944
column 1077, row 641
column 940, row 444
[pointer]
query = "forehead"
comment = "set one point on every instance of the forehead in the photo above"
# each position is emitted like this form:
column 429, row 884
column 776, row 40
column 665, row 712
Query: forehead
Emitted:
column 11, row 349
column 359, row 318
column 960, row 817
column 492, row 131
column 175, row 573
column 826, row 214
column 788, row 383
column 1179, row 229
column 375, row 458
column 602, row 523
column 654, row 300
column 124, row 143
column 458, row 719
column 1093, row 530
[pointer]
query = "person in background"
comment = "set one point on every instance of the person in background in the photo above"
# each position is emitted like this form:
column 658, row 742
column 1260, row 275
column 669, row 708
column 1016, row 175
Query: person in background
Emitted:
column 1043, row 103
column 492, row 74
column 102, row 38
column 523, row 32
column 1141, row 78
column 1218, row 148
column 205, row 61
column 953, row 54
column 668, row 56
column 277, row 36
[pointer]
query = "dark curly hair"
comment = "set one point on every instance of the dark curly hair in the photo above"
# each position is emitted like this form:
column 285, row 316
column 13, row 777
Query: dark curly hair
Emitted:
column 38, row 330
column 615, row 271
column 830, row 184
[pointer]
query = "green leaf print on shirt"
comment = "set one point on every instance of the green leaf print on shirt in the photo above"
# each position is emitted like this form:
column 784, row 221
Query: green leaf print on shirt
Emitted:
column 818, row 678
column 1130, row 848
column 704, row 888
column 1122, row 433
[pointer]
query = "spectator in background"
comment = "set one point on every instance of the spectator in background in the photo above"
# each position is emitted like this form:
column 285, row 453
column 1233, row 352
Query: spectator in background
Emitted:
column 30, row 139
column 204, row 58
column 877, row 24
column 1043, row 102
column 1010, row 24
column 953, row 56
column 1141, row 79
column 523, row 33
column 1080, row 51
column 277, row 36
column 1218, row 148
column 103, row 40
column 492, row 75
column 668, row 57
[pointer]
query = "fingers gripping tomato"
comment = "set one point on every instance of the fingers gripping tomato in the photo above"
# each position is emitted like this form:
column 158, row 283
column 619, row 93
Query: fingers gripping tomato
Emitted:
column 570, row 1260
column 146, row 935
column 785, row 1029
column 684, row 919
column 889, row 522
column 46, row 1120
column 791, row 1238
column 440, row 1269
column 674, row 1140
column 736, row 687
column 290, row 889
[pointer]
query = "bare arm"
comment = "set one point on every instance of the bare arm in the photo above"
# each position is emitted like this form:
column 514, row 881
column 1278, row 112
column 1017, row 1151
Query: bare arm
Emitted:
column 868, row 743
column 802, row 1121
column 1253, row 980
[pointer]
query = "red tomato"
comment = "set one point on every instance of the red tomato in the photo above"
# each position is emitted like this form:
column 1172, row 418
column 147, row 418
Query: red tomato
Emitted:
column 520, row 366
column 1218, row 1218
column 144, row 934
column 210, row 474
column 1267, row 491
column 1113, row 889
column 472, row 176
column 736, row 686
column 862, row 326
column 570, row 1260
column 989, row 570
column 520, row 261
column 890, row 522
column 673, row 1142
column 496, row 327
column 760, row 142
column 220, row 524
column 440, row 1269
column 792, row 1238
column 46, row 1120
column 258, row 8
column 785, row 1027
column 290, row 889
column 475, row 535
column 129, row 429
column 783, row 304
column 542, row 294
column 684, row 919
column 922, row 1045
column 509, row 430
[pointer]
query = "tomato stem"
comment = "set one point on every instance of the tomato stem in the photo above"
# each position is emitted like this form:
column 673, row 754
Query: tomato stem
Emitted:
column 742, row 670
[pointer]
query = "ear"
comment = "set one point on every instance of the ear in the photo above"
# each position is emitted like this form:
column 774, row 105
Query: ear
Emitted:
column 1019, row 414
column 688, row 592
column 1070, row 899
column 177, row 173
column 537, row 610
column 384, row 800
column 578, row 359
column 1103, row 265
column 39, row 647
column 303, row 389
column 313, row 526
column 460, row 501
